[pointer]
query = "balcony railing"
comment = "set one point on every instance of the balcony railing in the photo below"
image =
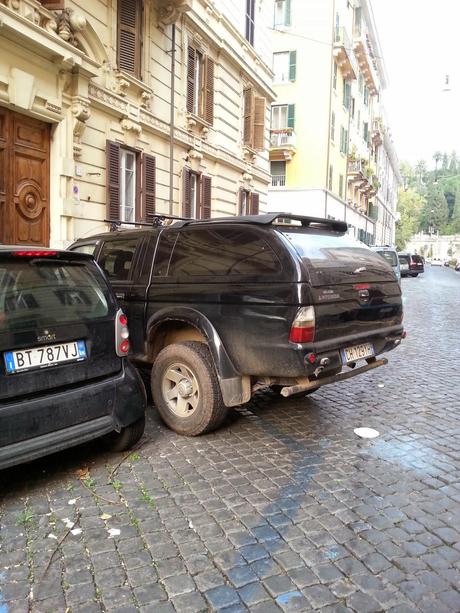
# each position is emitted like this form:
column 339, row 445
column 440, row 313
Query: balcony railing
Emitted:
column 278, row 180
column 343, row 52
column 356, row 167
column 284, row 137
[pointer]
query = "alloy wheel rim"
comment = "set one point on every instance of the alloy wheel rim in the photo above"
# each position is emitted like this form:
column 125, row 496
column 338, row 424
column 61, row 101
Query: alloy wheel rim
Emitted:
column 180, row 389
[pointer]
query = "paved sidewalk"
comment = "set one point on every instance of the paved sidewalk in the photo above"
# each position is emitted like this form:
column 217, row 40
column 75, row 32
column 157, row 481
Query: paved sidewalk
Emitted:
column 282, row 509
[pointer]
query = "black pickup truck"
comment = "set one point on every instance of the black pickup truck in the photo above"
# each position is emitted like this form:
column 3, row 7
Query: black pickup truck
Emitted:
column 220, row 308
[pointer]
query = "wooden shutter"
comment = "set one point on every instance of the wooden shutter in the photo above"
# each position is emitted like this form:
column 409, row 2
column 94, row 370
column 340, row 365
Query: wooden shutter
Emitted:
column 254, row 204
column 186, row 202
column 205, row 197
column 259, row 124
column 241, row 194
column 292, row 65
column 112, row 151
column 129, row 36
column 191, row 55
column 148, row 186
column 209, row 89
column 248, row 102
column 287, row 14
column 291, row 115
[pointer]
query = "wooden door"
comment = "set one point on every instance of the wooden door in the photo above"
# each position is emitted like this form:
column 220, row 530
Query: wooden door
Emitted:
column 24, row 179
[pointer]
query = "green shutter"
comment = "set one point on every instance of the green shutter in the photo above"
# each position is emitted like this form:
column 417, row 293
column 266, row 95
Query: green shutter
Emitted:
column 292, row 65
column 288, row 13
column 291, row 115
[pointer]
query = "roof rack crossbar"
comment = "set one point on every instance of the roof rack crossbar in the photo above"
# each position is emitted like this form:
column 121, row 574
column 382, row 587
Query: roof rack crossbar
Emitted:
column 157, row 219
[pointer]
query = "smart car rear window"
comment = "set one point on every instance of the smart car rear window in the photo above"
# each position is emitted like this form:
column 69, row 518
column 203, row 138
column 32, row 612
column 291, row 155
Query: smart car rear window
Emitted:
column 36, row 293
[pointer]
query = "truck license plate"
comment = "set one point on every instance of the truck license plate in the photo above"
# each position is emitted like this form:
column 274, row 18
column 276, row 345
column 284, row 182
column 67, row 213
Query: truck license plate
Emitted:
column 358, row 352
column 42, row 357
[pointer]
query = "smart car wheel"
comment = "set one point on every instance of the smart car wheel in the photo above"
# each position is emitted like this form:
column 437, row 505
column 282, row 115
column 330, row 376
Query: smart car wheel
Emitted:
column 185, row 389
column 126, row 438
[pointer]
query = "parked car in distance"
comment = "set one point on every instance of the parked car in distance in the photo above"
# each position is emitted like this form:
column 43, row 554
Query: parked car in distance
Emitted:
column 411, row 265
column 220, row 308
column 457, row 266
column 436, row 262
column 391, row 256
column 64, row 374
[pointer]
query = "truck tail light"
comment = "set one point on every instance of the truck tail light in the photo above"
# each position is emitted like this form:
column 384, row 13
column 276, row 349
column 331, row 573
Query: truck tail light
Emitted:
column 121, row 334
column 303, row 326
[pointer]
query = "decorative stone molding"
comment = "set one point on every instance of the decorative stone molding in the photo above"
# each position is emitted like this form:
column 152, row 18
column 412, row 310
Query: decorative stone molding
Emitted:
column 169, row 11
column 121, row 85
column 146, row 100
column 249, row 154
column 81, row 113
column 54, row 108
column 108, row 98
column 128, row 125
column 69, row 23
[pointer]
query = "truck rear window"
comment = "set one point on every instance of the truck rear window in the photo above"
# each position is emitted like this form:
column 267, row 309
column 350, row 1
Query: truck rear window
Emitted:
column 389, row 256
column 337, row 258
column 37, row 293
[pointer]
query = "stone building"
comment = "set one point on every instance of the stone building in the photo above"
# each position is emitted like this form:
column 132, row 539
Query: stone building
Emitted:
column 95, row 124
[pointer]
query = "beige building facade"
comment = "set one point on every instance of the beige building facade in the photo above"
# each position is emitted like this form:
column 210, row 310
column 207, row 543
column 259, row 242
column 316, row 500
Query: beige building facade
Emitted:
column 95, row 124
column 328, row 153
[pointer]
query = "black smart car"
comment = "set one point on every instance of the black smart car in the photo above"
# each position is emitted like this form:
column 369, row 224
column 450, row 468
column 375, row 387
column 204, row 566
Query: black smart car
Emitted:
column 221, row 308
column 64, row 376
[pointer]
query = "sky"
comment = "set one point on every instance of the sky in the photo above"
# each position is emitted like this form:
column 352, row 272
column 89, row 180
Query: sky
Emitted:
column 420, row 45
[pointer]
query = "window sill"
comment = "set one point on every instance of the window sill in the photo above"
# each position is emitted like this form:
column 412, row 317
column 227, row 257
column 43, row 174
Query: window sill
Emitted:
column 126, row 81
column 194, row 121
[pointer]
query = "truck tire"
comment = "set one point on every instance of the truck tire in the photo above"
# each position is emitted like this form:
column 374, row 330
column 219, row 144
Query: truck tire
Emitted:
column 185, row 389
column 126, row 438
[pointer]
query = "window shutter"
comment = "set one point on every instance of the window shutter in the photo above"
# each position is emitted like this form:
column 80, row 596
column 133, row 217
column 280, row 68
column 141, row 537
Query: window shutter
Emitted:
column 291, row 115
column 190, row 78
column 248, row 97
column 186, row 202
column 209, row 90
column 205, row 197
column 259, row 124
column 292, row 65
column 129, row 36
column 240, row 201
column 254, row 205
column 287, row 14
column 112, row 152
column 148, row 186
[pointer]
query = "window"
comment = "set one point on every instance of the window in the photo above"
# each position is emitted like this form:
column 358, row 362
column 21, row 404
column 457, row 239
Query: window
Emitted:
column 343, row 140
column 284, row 66
column 366, row 95
column 253, row 120
column 366, row 131
column 116, row 258
column 282, row 13
column 357, row 26
column 249, row 203
column 131, row 179
column 200, row 85
column 334, row 80
column 88, row 248
column 278, row 173
column 129, row 44
column 341, row 186
column 226, row 252
column 283, row 116
column 353, row 106
column 250, row 14
column 333, row 126
column 196, row 202
column 346, row 94
column 360, row 83
column 331, row 176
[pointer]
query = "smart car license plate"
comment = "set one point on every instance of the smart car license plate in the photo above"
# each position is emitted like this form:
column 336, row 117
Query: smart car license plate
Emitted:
column 42, row 357
column 358, row 352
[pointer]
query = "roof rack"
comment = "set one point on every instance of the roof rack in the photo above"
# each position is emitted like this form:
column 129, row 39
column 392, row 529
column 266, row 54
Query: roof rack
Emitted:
column 269, row 219
column 157, row 220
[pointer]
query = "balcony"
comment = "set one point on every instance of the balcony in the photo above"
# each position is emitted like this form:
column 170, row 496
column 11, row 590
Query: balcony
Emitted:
column 344, row 56
column 356, row 169
column 282, row 144
column 364, row 54
column 278, row 180
column 377, row 132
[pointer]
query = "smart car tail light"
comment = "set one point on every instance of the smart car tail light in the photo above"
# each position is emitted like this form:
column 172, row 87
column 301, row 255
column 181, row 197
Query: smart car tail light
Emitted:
column 121, row 334
column 303, row 326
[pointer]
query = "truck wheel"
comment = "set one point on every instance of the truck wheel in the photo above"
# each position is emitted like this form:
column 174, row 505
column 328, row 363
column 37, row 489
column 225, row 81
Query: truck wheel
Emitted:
column 126, row 438
column 186, row 390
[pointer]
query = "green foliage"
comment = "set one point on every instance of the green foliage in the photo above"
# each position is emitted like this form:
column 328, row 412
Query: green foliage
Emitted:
column 455, row 219
column 410, row 205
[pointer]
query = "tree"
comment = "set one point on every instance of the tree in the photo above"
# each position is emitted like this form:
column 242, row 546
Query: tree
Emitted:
column 420, row 171
column 453, row 163
column 410, row 204
column 455, row 222
column 435, row 213
column 445, row 163
column 437, row 157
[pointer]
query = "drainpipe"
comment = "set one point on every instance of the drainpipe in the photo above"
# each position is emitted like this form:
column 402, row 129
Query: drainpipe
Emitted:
column 330, row 111
column 171, row 119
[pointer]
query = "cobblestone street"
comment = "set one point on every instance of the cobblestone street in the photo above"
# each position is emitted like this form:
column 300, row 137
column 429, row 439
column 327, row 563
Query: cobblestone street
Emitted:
column 283, row 509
